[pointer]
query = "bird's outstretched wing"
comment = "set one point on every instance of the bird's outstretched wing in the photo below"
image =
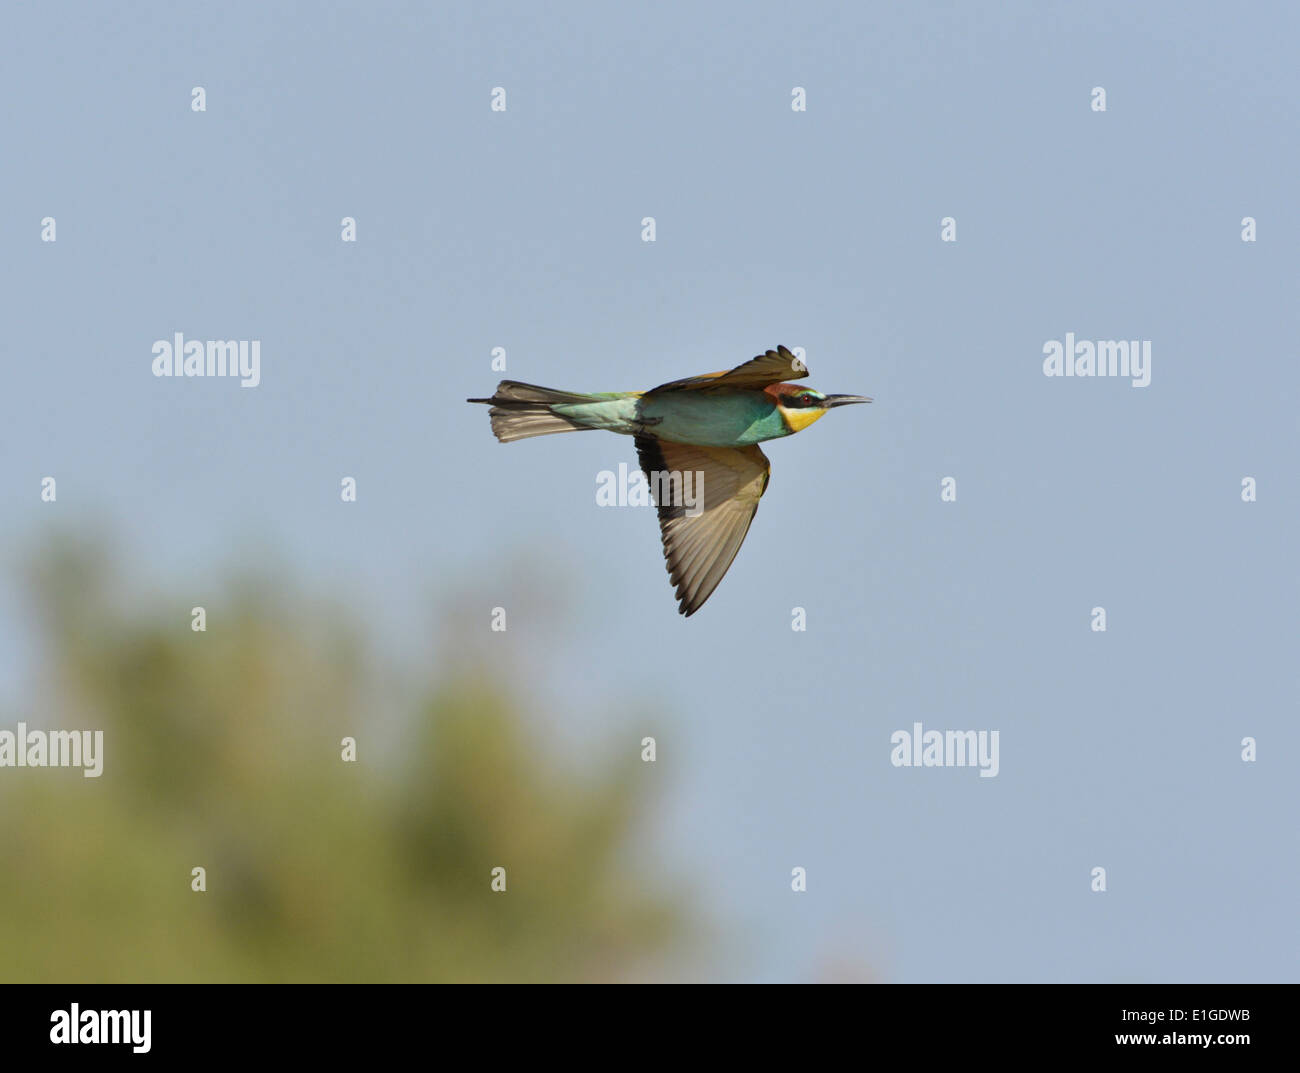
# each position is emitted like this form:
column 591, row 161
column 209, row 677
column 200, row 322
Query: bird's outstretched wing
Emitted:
column 774, row 367
column 700, row 541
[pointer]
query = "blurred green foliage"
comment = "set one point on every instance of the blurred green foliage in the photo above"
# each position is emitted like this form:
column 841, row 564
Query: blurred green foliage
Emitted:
column 222, row 750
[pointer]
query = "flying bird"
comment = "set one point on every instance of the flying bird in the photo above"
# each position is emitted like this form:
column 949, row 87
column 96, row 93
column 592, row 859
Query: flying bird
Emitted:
column 710, row 425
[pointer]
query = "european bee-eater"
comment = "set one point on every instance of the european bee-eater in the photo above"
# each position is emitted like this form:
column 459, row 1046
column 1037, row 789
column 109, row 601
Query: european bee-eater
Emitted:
column 710, row 424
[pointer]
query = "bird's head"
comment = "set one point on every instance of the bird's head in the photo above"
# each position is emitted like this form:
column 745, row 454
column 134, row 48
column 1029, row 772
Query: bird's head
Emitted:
column 800, row 406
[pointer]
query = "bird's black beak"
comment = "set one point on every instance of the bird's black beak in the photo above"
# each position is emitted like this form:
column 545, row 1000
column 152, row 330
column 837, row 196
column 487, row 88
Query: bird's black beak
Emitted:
column 842, row 400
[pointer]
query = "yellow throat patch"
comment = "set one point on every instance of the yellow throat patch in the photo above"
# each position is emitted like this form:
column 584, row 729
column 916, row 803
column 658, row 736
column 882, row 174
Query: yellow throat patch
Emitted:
column 798, row 420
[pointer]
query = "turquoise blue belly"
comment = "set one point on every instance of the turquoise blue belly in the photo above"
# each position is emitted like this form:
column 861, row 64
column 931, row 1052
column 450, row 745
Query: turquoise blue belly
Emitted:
column 685, row 417
column 715, row 420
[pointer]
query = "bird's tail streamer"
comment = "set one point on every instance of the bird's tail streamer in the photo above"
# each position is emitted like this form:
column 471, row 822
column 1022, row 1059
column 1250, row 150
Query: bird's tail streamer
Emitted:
column 523, row 410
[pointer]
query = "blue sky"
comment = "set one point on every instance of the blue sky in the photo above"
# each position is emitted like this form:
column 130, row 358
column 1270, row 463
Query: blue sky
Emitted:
column 818, row 229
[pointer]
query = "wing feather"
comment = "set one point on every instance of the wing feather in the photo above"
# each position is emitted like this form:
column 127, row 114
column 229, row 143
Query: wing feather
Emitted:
column 699, row 548
column 774, row 367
